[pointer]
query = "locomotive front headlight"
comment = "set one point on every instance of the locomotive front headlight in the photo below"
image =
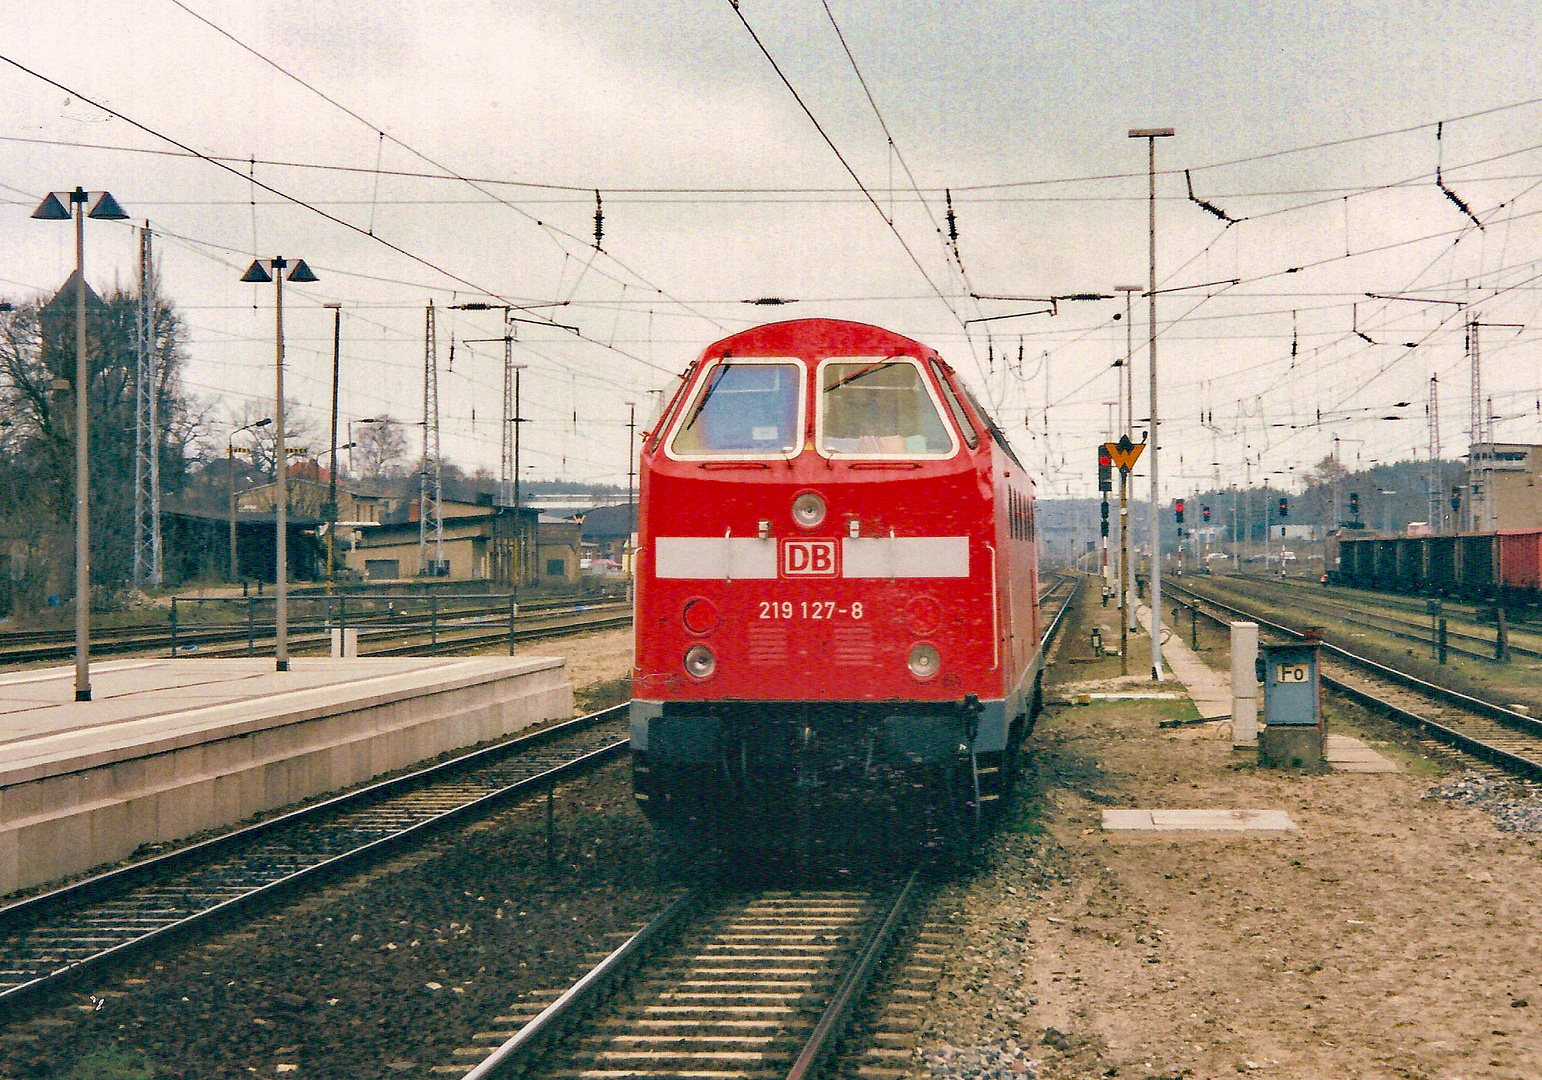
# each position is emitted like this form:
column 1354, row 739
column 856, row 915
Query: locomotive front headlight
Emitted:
column 808, row 510
column 699, row 662
column 700, row 616
column 924, row 661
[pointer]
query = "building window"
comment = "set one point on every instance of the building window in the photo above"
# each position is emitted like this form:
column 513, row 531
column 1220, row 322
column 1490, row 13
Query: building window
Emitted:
column 555, row 568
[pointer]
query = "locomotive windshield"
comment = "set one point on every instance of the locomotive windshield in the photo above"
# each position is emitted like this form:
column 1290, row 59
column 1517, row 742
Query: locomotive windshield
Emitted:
column 743, row 407
column 880, row 408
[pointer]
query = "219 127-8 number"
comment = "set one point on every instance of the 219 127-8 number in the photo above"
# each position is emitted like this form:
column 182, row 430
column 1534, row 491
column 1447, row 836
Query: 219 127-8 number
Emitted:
column 808, row 609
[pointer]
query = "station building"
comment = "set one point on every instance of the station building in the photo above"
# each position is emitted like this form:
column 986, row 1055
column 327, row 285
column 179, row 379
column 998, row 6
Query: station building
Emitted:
column 1504, row 481
column 481, row 542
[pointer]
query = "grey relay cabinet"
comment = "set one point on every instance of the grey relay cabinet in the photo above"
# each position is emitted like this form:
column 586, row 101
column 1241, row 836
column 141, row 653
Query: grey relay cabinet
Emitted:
column 1293, row 732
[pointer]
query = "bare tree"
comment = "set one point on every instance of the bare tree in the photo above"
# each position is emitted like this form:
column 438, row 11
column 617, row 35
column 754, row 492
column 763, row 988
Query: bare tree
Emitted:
column 302, row 435
column 380, row 449
column 37, row 356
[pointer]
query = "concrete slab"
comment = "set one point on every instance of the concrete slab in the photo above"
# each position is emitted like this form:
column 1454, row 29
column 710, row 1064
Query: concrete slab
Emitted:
column 1210, row 689
column 1198, row 821
column 1348, row 754
column 174, row 747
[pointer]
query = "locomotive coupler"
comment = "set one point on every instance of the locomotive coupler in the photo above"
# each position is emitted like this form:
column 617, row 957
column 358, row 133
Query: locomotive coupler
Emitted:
column 972, row 711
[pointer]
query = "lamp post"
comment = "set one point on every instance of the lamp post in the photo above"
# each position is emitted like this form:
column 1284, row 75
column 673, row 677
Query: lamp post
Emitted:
column 331, row 508
column 1151, row 135
column 299, row 273
column 230, row 459
column 105, row 207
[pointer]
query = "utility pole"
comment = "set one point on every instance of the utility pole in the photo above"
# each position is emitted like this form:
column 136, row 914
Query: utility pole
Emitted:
column 1433, row 493
column 331, row 507
column 631, row 466
column 147, row 442
column 507, row 431
column 1477, row 473
column 1151, row 135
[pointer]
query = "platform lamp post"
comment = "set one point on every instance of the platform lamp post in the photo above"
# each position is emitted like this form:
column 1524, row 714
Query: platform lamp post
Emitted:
column 230, row 462
column 1151, row 135
column 299, row 273
column 331, row 507
column 105, row 207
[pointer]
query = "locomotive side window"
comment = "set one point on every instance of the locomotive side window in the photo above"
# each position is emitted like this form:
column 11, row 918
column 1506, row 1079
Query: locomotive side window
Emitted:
column 743, row 408
column 960, row 417
column 880, row 408
column 667, row 416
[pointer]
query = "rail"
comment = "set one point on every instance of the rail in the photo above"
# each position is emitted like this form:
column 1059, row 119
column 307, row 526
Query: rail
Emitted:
column 1508, row 718
column 36, row 932
column 521, row 1053
column 842, row 1005
column 446, row 628
column 586, row 991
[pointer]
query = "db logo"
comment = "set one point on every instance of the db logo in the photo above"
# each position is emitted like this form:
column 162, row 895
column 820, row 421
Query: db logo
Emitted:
column 808, row 558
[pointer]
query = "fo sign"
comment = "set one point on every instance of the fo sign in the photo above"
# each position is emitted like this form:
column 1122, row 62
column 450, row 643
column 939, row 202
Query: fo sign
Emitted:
column 808, row 558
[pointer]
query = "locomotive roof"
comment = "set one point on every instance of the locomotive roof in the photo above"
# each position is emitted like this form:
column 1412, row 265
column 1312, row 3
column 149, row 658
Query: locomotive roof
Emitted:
column 826, row 337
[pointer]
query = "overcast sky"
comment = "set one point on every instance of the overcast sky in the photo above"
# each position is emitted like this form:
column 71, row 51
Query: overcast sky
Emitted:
column 1313, row 125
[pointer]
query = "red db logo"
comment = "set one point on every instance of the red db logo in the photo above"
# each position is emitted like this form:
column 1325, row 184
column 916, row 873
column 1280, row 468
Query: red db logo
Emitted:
column 808, row 558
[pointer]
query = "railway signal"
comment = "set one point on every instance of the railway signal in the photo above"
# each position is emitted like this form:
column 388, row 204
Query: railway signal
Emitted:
column 1105, row 471
column 1204, row 512
column 1104, row 528
column 1284, row 508
column 1456, row 497
column 1178, row 510
column 1354, row 506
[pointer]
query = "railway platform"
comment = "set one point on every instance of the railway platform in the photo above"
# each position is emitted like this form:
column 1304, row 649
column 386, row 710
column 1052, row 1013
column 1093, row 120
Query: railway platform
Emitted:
column 175, row 747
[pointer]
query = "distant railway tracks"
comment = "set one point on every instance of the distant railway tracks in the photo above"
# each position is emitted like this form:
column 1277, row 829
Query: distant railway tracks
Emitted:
column 719, row 984
column 53, row 937
column 459, row 629
column 1496, row 733
column 1379, row 613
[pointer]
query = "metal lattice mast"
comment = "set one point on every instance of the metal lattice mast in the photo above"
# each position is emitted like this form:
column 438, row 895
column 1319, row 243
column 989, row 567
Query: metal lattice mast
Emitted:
column 1435, row 495
column 147, row 458
column 1474, row 425
column 430, row 488
column 506, row 474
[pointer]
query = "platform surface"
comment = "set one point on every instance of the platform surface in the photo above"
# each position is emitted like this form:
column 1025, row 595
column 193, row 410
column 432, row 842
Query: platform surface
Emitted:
column 1348, row 754
column 153, row 705
column 1209, row 689
column 170, row 748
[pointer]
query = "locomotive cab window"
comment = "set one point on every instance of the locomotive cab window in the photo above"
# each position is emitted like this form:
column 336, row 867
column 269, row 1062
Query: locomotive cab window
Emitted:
column 880, row 408
column 960, row 417
column 743, row 408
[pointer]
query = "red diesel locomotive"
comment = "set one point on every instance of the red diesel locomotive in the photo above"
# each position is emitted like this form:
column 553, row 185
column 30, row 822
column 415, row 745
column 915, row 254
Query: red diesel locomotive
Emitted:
column 837, row 584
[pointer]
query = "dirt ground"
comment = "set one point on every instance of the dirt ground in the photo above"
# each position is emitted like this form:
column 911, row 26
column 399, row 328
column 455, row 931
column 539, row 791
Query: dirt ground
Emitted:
column 592, row 659
column 1393, row 935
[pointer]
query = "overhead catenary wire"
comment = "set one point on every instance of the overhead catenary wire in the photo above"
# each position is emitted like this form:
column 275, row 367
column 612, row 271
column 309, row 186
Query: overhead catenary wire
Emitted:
column 551, row 230
column 850, row 171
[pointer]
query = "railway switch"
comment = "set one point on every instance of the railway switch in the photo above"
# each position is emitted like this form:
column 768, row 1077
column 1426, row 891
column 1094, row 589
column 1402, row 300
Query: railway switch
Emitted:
column 1293, row 732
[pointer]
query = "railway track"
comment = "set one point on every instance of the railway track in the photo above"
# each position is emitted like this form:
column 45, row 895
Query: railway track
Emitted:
column 54, row 937
column 1354, row 611
column 456, row 630
column 1495, row 733
column 742, row 985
